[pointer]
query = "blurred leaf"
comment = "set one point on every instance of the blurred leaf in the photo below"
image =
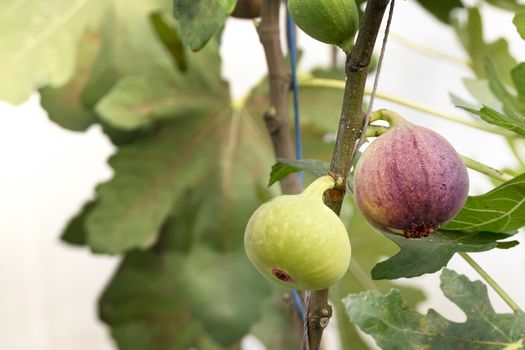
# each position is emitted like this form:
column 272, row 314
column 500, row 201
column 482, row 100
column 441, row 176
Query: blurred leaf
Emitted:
column 441, row 9
column 519, row 22
column 275, row 329
column 429, row 254
column 500, row 210
column 176, row 300
column 396, row 326
column 471, row 37
column 510, row 5
column 129, row 46
column 480, row 90
column 518, row 77
column 220, row 153
column 494, row 117
column 284, row 167
column 38, row 43
column 200, row 19
column 368, row 247
column 162, row 93
column 64, row 104
column 75, row 231
column 169, row 36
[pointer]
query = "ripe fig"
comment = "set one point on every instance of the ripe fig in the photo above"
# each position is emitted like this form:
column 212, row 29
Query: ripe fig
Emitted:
column 330, row 21
column 297, row 241
column 247, row 9
column 410, row 181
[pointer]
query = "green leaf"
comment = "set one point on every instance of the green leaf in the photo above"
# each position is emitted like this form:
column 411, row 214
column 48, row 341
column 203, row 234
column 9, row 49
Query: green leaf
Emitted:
column 519, row 22
column 491, row 116
column 75, row 231
column 441, row 9
column 200, row 19
column 168, row 34
column 510, row 5
column 394, row 325
column 471, row 37
column 38, row 43
column 429, row 254
column 129, row 47
column 176, row 300
column 276, row 327
column 518, row 77
column 500, row 210
column 207, row 153
column 64, row 104
column 284, row 167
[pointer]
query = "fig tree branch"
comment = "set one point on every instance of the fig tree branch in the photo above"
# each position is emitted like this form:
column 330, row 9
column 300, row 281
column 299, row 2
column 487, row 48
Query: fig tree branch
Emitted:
column 350, row 129
column 339, row 84
column 276, row 117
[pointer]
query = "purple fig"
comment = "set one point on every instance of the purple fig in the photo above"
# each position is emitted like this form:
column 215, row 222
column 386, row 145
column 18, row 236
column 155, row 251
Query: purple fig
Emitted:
column 410, row 181
column 247, row 9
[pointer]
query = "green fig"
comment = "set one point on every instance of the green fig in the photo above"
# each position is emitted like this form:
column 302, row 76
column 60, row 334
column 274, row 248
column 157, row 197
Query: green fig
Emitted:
column 330, row 21
column 297, row 241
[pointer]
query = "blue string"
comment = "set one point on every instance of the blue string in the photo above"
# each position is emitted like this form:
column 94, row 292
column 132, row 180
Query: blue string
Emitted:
column 292, row 49
column 293, row 61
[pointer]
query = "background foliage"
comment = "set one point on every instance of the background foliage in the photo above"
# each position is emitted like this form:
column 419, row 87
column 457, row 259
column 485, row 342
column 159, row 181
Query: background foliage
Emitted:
column 192, row 165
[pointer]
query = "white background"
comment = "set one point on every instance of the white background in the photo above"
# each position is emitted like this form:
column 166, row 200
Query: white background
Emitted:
column 48, row 290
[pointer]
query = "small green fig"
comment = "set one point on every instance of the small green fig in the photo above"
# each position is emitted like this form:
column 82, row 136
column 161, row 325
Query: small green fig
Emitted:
column 330, row 21
column 410, row 181
column 297, row 241
column 247, row 9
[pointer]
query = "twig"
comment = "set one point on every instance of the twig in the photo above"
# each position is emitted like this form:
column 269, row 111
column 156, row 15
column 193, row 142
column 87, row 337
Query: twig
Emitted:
column 276, row 118
column 501, row 292
column 339, row 84
column 485, row 169
column 350, row 129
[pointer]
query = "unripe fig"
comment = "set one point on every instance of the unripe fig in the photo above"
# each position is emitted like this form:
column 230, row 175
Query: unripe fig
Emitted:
column 297, row 241
column 247, row 9
column 330, row 21
column 410, row 181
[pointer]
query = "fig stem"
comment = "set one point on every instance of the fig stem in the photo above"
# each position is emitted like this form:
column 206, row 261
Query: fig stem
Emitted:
column 306, row 81
column 391, row 117
column 485, row 169
column 318, row 187
column 497, row 288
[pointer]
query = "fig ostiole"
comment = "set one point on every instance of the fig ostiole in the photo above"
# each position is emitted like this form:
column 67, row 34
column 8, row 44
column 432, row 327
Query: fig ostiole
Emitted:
column 297, row 241
column 410, row 180
column 330, row 21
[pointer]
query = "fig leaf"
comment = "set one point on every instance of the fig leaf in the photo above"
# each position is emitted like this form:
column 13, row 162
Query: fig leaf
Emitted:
column 500, row 210
column 284, row 167
column 430, row 254
column 394, row 325
column 200, row 19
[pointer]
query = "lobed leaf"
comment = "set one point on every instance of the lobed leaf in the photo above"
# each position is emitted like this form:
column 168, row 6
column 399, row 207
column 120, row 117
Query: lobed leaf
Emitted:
column 38, row 43
column 200, row 19
column 394, row 325
column 500, row 210
column 519, row 22
column 429, row 254
column 176, row 301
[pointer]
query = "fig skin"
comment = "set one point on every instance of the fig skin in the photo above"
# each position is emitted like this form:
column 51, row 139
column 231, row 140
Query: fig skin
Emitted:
column 330, row 21
column 247, row 9
column 410, row 181
column 297, row 241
